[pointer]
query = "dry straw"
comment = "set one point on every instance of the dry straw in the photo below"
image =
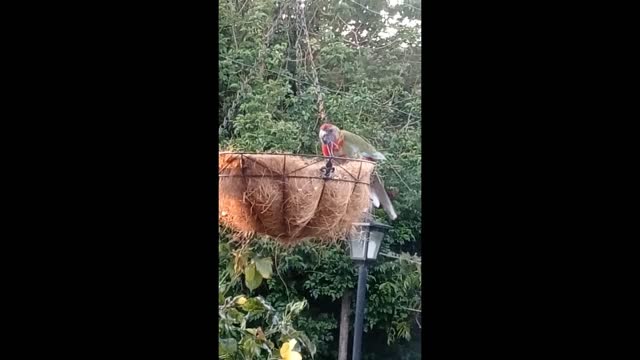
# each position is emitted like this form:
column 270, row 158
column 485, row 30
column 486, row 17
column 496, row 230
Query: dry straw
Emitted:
column 288, row 198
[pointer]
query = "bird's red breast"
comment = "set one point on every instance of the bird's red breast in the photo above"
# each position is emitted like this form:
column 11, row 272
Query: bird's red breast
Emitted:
column 336, row 148
column 325, row 150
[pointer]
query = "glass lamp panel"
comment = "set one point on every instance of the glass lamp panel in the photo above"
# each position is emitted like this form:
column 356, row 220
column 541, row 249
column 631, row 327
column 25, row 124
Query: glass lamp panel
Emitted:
column 357, row 245
column 375, row 239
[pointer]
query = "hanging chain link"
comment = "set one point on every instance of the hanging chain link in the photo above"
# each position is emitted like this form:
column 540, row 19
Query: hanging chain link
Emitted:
column 300, row 53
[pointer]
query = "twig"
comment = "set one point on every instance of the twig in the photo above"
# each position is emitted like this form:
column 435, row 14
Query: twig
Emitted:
column 400, row 258
column 401, row 179
column 407, row 124
column 405, row 308
column 366, row 8
column 411, row 6
column 360, row 113
column 314, row 15
column 242, row 7
column 233, row 31
column 384, row 46
column 275, row 260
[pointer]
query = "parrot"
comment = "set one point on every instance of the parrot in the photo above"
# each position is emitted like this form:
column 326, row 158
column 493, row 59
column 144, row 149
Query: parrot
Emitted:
column 341, row 143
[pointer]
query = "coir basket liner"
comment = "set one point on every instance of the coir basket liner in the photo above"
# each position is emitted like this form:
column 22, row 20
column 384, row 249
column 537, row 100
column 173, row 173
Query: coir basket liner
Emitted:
column 290, row 197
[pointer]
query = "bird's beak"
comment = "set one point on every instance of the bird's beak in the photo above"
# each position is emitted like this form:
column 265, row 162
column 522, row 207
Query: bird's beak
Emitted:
column 325, row 138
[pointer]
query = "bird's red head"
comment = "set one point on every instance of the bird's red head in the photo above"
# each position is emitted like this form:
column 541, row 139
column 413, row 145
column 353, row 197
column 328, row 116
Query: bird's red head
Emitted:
column 330, row 138
column 326, row 126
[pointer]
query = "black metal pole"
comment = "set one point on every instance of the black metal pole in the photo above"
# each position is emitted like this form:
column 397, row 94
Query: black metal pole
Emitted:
column 360, row 300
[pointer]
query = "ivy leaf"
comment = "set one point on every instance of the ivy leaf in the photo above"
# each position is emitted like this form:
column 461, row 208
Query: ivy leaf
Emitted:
column 252, row 278
column 264, row 267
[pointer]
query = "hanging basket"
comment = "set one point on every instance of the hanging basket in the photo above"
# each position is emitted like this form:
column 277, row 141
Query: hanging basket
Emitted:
column 292, row 197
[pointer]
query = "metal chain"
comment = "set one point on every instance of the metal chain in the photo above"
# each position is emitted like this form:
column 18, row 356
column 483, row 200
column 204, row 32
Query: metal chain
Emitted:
column 302, row 26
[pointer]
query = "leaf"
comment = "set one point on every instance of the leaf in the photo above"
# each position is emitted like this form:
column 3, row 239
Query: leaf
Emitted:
column 264, row 267
column 307, row 342
column 253, row 305
column 252, row 278
column 298, row 306
column 260, row 334
column 227, row 346
column 240, row 261
column 250, row 347
column 235, row 315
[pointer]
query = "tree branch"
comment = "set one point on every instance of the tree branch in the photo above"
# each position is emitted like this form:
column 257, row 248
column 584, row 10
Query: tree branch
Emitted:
column 405, row 308
column 399, row 258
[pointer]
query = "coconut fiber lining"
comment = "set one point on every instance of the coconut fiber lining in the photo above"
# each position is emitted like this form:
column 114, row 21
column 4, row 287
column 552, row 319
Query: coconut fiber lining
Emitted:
column 287, row 197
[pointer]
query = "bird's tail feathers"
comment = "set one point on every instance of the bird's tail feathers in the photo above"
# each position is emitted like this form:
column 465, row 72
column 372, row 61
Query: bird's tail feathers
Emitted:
column 374, row 198
column 379, row 192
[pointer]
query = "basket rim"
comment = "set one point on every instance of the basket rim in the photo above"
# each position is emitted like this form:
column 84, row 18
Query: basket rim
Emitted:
column 301, row 155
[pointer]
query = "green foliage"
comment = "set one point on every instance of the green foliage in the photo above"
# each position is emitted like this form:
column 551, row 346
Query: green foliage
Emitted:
column 394, row 287
column 252, row 278
column 332, row 275
column 371, row 87
column 252, row 328
column 264, row 265
column 320, row 328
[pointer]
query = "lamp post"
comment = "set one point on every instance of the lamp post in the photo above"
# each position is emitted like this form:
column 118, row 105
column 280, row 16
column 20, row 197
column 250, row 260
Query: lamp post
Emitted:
column 365, row 240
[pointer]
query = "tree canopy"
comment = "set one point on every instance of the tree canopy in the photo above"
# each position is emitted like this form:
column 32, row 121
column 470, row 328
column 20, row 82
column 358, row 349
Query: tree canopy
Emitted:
column 283, row 65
